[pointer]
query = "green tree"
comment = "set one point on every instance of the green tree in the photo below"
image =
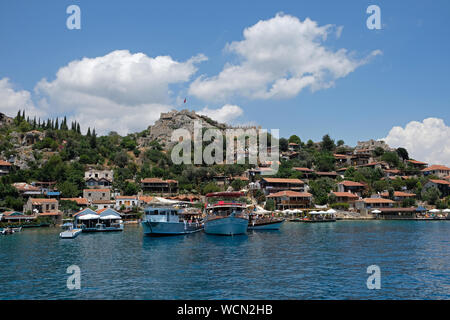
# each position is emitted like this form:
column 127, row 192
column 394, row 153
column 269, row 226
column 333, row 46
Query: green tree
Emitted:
column 270, row 205
column 295, row 139
column 327, row 143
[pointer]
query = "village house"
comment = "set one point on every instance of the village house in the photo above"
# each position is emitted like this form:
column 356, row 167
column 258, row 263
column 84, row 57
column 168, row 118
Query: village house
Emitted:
column 16, row 217
column 397, row 213
column 399, row 196
column 103, row 204
column 157, row 185
column 41, row 205
column 365, row 206
column 436, row 170
column 341, row 159
column 291, row 199
column 272, row 185
column 43, row 208
column 97, row 194
column 361, row 157
column 417, row 164
column 351, row 186
column 126, row 201
column 345, row 197
column 442, row 185
column 99, row 178
column 293, row 146
column 5, row 167
column 27, row 190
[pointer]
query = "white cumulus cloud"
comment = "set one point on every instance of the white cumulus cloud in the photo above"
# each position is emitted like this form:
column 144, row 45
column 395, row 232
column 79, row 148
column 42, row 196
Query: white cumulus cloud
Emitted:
column 226, row 114
column 120, row 91
column 427, row 141
column 279, row 57
column 12, row 100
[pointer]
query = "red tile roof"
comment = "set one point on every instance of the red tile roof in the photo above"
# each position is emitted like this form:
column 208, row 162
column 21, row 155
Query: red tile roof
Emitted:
column 42, row 200
column 281, row 180
column 97, row 190
column 152, row 180
column 436, row 167
column 348, row 183
column 4, row 163
column 417, row 162
column 290, row 194
column 50, row 214
column 126, row 197
column 145, row 199
column 399, row 194
column 303, row 169
column 79, row 201
column 440, row 181
column 377, row 200
column 326, row 173
column 345, row 195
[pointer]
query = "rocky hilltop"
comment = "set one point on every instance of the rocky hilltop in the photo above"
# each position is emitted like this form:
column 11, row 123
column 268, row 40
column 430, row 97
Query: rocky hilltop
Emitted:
column 5, row 120
column 170, row 121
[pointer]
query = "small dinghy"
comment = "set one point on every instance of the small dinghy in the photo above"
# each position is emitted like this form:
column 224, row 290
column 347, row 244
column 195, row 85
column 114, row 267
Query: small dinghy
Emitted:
column 69, row 231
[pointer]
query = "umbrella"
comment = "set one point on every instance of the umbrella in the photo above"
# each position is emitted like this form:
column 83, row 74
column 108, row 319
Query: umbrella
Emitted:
column 376, row 211
column 434, row 210
column 446, row 210
column 331, row 211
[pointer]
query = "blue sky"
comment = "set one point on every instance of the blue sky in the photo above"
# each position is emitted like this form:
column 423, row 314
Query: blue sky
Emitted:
column 407, row 82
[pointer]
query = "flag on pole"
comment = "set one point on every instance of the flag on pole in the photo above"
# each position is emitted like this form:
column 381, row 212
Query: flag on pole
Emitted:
column 184, row 100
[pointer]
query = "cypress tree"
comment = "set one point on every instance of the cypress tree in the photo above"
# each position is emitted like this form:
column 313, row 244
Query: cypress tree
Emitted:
column 88, row 134
column 57, row 124
column 78, row 128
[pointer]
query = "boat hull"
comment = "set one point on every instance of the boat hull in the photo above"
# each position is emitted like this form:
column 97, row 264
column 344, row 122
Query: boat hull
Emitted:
column 152, row 228
column 319, row 221
column 227, row 226
column 70, row 234
column 272, row 225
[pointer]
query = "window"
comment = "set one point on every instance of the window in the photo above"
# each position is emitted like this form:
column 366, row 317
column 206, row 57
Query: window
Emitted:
column 103, row 194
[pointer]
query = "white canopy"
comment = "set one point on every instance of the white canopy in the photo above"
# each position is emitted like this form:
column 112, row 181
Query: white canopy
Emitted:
column 446, row 210
column 331, row 211
column 376, row 211
column 89, row 216
column 163, row 200
column 297, row 211
column 110, row 217
column 261, row 210
column 434, row 210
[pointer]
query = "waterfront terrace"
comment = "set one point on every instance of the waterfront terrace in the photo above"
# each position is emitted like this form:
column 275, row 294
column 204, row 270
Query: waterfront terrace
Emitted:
column 351, row 186
column 157, row 185
column 272, row 185
column 291, row 199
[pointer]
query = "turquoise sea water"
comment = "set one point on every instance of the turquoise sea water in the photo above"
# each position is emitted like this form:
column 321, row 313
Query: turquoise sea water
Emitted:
column 301, row 261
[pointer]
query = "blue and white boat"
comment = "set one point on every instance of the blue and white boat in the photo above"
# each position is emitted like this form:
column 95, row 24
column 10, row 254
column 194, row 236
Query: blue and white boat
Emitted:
column 226, row 218
column 69, row 232
column 261, row 219
column 170, row 221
